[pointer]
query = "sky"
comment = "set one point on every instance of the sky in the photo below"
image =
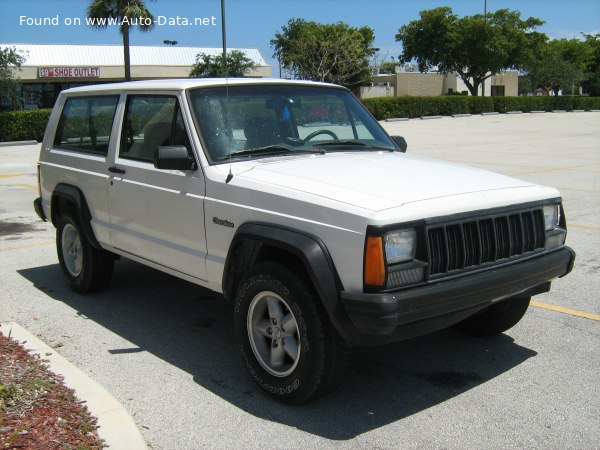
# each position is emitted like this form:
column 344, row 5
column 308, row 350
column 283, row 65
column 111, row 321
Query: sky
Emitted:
column 253, row 23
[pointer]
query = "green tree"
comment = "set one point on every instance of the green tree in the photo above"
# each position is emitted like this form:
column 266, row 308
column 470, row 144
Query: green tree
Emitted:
column 577, row 52
column 388, row 67
column 474, row 47
column 559, row 64
column 209, row 66
column 525, row 85
column 592, row 83
column 334, row 53
column 129, row 13
column 10, row 59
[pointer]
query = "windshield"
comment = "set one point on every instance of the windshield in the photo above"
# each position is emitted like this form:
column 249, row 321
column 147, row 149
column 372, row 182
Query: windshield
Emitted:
column 256, row 121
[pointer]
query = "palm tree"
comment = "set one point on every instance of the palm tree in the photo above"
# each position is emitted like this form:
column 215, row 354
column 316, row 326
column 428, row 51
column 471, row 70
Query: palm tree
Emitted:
column 128, row 13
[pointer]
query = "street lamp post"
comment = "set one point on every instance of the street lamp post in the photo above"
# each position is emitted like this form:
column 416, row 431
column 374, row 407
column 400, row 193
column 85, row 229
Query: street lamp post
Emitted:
column 484, row 30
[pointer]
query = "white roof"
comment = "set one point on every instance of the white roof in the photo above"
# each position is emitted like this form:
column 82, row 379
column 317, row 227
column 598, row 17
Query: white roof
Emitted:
column 112, row 55
column 185, row 83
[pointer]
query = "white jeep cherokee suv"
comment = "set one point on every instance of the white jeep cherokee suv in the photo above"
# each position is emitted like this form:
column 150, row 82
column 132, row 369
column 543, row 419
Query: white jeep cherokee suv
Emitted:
column 290, row 199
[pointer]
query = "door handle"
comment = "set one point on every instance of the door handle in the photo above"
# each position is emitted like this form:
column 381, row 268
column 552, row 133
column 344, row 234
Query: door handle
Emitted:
column 115, row 169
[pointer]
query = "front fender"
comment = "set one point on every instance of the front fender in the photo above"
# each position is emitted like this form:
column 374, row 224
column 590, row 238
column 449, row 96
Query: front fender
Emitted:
column 310, row 250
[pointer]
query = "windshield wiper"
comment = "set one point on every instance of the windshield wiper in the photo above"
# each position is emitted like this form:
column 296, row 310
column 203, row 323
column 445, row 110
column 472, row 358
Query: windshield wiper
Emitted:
column 275, row 148
column 338, row 142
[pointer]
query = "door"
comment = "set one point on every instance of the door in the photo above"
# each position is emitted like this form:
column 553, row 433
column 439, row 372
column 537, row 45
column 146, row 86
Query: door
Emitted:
column 157, row 215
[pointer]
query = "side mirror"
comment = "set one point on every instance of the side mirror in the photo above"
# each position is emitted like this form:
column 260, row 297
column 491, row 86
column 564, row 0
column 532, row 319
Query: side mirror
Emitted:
column 400, row 143
column 173, row 158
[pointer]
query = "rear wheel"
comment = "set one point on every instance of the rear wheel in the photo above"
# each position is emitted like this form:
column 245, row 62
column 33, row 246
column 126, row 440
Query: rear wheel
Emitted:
column 286, row 340
column 86, row 268
column 495, row 319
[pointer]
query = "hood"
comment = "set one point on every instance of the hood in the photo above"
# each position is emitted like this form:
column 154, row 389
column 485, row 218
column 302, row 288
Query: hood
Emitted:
column 374, row 180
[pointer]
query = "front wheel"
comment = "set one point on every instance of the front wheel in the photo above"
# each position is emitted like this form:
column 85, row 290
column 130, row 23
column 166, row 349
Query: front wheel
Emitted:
column 286, row 340
column 495, row 319
column 85, row 268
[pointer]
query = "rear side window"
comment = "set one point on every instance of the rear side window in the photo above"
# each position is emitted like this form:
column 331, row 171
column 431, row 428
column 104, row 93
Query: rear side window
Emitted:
column 86, row 123
column 151, row 121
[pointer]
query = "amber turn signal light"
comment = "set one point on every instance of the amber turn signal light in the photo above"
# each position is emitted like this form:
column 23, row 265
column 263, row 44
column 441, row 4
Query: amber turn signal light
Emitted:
column 374, row 262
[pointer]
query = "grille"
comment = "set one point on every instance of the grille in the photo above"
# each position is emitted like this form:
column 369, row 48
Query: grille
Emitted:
column 460, row 246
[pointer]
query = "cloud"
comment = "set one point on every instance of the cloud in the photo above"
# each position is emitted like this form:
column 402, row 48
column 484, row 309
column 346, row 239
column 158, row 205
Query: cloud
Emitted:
column 570, row 34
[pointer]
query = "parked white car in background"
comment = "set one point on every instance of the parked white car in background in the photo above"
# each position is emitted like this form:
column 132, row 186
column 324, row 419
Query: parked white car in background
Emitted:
column 290, row 199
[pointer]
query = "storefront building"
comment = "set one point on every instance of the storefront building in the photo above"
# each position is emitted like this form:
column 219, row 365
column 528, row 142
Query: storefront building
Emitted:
column 48, row 69
column 431, row 84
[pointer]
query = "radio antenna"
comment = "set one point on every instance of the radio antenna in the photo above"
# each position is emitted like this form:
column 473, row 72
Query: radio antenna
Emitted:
column 227, row 122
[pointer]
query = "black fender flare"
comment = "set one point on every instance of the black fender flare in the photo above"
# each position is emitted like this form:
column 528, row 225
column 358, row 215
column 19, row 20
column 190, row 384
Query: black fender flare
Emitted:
column 75, row 196
column 310, row 250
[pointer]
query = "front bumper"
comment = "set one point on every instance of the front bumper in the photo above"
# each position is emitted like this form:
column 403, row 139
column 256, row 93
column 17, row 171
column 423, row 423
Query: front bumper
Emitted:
column 388, row 317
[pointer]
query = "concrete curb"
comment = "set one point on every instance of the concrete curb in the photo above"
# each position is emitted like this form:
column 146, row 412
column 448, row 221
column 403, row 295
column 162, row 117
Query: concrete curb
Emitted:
column 490, row 113
column 115, row 425
column 397, row 119
column 10, row 144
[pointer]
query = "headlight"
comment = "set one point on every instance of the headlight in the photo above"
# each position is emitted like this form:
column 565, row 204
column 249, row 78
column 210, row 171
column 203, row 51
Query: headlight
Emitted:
column 551, row 216
column 555, row 235
column 400, row 245
column 390, row 260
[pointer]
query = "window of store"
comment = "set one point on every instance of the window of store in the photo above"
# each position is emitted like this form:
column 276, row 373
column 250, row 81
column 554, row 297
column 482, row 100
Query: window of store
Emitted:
column 498, row 91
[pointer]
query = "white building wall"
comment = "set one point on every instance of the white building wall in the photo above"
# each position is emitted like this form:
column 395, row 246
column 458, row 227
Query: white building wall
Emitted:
column 376, row 91
column 146, row 61
column 461, row 86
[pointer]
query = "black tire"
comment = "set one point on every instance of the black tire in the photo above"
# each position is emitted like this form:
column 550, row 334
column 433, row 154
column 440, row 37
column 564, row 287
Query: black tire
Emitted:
column 496, row 318
column 321, row 355
column 85, row 268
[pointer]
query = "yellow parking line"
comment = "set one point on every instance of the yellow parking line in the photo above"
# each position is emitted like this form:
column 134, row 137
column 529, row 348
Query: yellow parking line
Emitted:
column 585, row 227
column 18, row 247
column 12, row 175
column 562, row 309
column 28, row 186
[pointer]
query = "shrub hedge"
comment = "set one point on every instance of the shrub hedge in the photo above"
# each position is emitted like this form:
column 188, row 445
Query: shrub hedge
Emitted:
column 390, row 107
column 30, row 124
column 23, row 125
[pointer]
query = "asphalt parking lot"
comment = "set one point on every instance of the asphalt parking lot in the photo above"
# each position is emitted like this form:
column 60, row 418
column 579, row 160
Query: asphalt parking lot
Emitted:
column 165, row 347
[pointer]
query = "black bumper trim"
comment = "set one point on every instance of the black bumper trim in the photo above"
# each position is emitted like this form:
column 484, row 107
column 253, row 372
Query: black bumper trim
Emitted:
column 383, row 314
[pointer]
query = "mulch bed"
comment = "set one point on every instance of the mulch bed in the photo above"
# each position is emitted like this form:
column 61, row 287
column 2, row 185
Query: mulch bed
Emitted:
column 37, row 411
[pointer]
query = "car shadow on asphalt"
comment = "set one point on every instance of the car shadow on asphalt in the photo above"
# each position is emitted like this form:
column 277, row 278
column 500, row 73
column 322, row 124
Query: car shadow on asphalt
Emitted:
column 191, row 328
